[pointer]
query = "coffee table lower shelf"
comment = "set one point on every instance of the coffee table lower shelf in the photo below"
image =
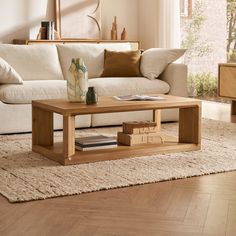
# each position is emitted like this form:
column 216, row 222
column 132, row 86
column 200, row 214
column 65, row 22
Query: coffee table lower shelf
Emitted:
column 55, row 152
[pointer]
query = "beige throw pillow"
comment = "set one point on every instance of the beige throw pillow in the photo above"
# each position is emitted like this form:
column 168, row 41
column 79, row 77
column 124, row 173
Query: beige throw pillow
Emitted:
column 92, row 54
column 155, row 60
column 8, row 75
column 121, row 64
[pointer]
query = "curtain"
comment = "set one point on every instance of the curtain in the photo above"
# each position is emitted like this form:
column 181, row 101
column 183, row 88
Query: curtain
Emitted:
column 167, row 33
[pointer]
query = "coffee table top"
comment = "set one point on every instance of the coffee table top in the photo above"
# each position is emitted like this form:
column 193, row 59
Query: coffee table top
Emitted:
column 110, row 104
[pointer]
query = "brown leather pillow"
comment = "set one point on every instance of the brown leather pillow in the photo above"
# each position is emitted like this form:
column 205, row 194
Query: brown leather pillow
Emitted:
column 121, row 64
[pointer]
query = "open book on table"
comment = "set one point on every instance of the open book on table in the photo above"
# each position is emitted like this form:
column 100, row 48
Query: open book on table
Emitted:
column 138, row 98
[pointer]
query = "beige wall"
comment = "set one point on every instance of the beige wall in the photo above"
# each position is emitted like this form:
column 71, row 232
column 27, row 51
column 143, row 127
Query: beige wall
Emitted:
column 147, row 24
column 127, row 16
column 21, row 18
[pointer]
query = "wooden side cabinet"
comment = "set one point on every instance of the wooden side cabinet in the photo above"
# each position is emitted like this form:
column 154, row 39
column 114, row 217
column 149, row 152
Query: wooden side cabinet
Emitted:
column 227, row 83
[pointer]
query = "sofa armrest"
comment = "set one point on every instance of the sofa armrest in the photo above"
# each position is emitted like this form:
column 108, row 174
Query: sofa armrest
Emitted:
column 176, row 76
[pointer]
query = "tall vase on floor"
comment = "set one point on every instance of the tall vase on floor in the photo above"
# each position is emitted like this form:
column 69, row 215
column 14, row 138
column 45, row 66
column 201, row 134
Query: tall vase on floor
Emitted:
column 77, row 82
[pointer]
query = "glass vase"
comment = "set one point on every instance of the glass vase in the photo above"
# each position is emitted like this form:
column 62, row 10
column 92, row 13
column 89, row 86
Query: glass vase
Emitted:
column 91, row 96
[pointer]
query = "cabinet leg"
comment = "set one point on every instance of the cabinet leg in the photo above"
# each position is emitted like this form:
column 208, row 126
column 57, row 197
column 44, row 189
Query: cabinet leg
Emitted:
column 233, row 108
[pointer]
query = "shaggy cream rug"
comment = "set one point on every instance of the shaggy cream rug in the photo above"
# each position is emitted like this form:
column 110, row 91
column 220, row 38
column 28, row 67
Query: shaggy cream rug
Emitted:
column 26, row 176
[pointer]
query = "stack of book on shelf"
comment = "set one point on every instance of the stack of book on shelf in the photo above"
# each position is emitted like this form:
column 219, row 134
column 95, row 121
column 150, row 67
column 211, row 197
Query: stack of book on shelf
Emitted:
column 95, row 142
column 138, row 133
column 48, row 29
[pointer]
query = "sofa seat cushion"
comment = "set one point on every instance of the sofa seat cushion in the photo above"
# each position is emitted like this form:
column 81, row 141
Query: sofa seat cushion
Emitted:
column 128, row 85
column 33, row 90
column 57, row 89
column 33, row 62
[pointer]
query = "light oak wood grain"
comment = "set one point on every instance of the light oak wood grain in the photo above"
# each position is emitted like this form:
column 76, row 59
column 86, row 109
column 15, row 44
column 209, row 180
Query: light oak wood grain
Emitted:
column 157, row 118
column 231, row 219
column 165, row 208
column 217, row 217
column 189, row 132
column 190, row 125
column 68, row 136
column 42, row 127
column 111, row 105
column 233, row 108
column 135, row 45
column 227, row 83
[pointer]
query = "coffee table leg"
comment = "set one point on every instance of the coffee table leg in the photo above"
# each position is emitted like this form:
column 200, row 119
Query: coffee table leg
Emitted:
column 68, row 136
column 190, row 125
column 233, row 108
column 157, row 118
column 42, row 127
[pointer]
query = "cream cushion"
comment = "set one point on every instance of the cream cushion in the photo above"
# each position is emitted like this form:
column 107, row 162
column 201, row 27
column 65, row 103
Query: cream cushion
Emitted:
column 121, row 64
column 51, row 89
column 92, row 54
column 128, row 85
column 155, row 60
column 17, row 118
column 8, row 75
column 33, row 90
column 33, row 62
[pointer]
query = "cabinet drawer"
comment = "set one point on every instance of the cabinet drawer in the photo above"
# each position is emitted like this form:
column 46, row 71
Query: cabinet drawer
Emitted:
column 227, row 81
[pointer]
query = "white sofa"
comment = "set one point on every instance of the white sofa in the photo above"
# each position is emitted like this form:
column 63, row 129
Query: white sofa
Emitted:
column 44, row 67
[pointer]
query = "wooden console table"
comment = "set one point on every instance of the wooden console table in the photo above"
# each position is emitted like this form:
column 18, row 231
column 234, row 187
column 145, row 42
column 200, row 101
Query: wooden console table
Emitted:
column 134, row 43
column 227, row 83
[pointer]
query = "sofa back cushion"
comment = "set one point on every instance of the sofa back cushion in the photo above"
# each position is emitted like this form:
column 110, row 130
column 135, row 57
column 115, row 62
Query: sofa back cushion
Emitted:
column 155, row 60
column 33, row 62
column 91, row 53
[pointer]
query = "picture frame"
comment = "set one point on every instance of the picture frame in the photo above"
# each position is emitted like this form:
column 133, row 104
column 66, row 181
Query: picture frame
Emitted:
column 78, row 19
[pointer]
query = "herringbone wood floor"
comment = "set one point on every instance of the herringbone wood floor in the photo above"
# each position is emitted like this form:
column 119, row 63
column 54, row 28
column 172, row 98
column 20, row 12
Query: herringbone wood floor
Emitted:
column 189, row 207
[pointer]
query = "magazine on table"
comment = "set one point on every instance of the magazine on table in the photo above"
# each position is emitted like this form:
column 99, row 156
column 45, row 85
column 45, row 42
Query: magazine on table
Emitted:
column 95, row 142
column 138, row 98
column 107, row 146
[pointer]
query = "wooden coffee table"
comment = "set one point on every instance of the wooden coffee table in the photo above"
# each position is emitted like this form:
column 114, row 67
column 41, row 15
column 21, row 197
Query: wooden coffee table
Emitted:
column 42, row 128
